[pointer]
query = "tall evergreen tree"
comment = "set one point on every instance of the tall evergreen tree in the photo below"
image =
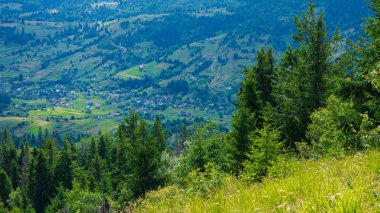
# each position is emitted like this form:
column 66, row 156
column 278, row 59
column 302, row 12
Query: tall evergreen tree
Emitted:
column 360, row 86
column 8, row 154
column 144, row 161
column 24, row 160
column 92, row 152
column 50, row 147
column 264, row 70
column 103, row 147
column 40, row 183
column 301, row 85
column 245, row 120
column 5, row 186
column 158, row 135
column 63, row 172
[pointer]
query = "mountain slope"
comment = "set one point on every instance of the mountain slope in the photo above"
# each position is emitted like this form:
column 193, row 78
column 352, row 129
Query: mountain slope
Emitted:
column 123, row 55
column 330, row 185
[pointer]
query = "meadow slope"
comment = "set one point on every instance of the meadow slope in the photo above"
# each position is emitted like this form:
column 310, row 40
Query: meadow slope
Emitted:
column 349, row 184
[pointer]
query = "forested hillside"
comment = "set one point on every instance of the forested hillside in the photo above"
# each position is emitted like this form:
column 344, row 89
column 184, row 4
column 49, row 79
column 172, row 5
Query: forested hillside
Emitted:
column 304, row 136
column 77, row 67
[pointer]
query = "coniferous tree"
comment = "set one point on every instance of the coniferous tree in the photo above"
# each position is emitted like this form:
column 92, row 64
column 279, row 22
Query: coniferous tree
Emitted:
column 362, row 85
column 121, row 155
column 103, row 147
column 6, row 186
column 24, row 161
column 64, row 169
column 301, row 79
column 264, row 70
column 144, row 161
column 40, row 137
column 158, row 135
column 91, row 153
column 266, row 147
column 8, row 154
column 245, row 120
column 40, row 183
column 14, row 174
column 50, row 147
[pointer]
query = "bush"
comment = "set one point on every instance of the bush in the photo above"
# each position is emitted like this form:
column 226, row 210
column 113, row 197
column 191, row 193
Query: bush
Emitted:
column 205, row 183
column 334, row 129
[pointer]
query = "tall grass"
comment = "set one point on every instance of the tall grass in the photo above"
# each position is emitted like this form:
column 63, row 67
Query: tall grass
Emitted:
column 349, row 184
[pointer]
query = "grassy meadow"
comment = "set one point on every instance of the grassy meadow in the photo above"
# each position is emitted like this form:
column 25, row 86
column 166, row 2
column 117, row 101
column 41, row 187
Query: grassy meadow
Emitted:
column 349, row 184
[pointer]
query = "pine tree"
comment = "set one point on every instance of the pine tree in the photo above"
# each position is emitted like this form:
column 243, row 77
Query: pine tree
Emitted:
column 103, row 147
column 50, row 147
column 144, row 161
column 40, row 136
column 362, row 85
column 264, row 70
column 14, row 174
column 8, row 154
column 266, row 147
column 24, row 161
column 91, row 153
column 63, row 169
column 121, row 161
column 158, row 135
column 245, row 120
column 131, row 126
column 5, row 186
column 40, row 187
column 301, row 85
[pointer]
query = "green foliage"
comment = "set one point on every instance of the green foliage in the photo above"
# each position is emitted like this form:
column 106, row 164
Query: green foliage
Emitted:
column 328, row 102
column 205, row 183
column 76, row 200
column 264, row 70
column 40, row 183
column 369, row 133
column 8, row 155
column 243, row 124
column 2, row 207
column 301, row 86
column 284, row 166
column 334, row 129
column 139, row 155
column 207, row 146
column 265, row 149
column 326, row 185
column 158, row 135
column 19, row 201
column 6, row 186
column 63, row 169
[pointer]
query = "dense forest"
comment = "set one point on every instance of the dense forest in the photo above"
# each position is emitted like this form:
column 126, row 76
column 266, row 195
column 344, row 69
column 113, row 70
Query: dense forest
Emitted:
column 316, row 102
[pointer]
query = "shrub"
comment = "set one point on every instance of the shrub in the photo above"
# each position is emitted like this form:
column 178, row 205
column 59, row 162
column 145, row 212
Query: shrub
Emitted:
column 334, row 128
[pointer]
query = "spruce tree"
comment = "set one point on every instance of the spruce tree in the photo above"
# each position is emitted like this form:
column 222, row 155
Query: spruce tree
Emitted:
column 40, row 183
column 8, row 155
column 24, row 161
column 245, row 120
column 103, row 147
column 301, row 84
column 64, row 169
column 158, row 135
column 5, row 186
column 264, row 70
column 266, row 147
column 144, row 161
column 362, row 85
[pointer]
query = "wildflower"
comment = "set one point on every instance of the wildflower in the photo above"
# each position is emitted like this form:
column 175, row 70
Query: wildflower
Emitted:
column 376, row 194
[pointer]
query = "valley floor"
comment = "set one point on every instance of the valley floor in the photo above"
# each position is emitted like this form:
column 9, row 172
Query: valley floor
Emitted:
column 349, row 184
